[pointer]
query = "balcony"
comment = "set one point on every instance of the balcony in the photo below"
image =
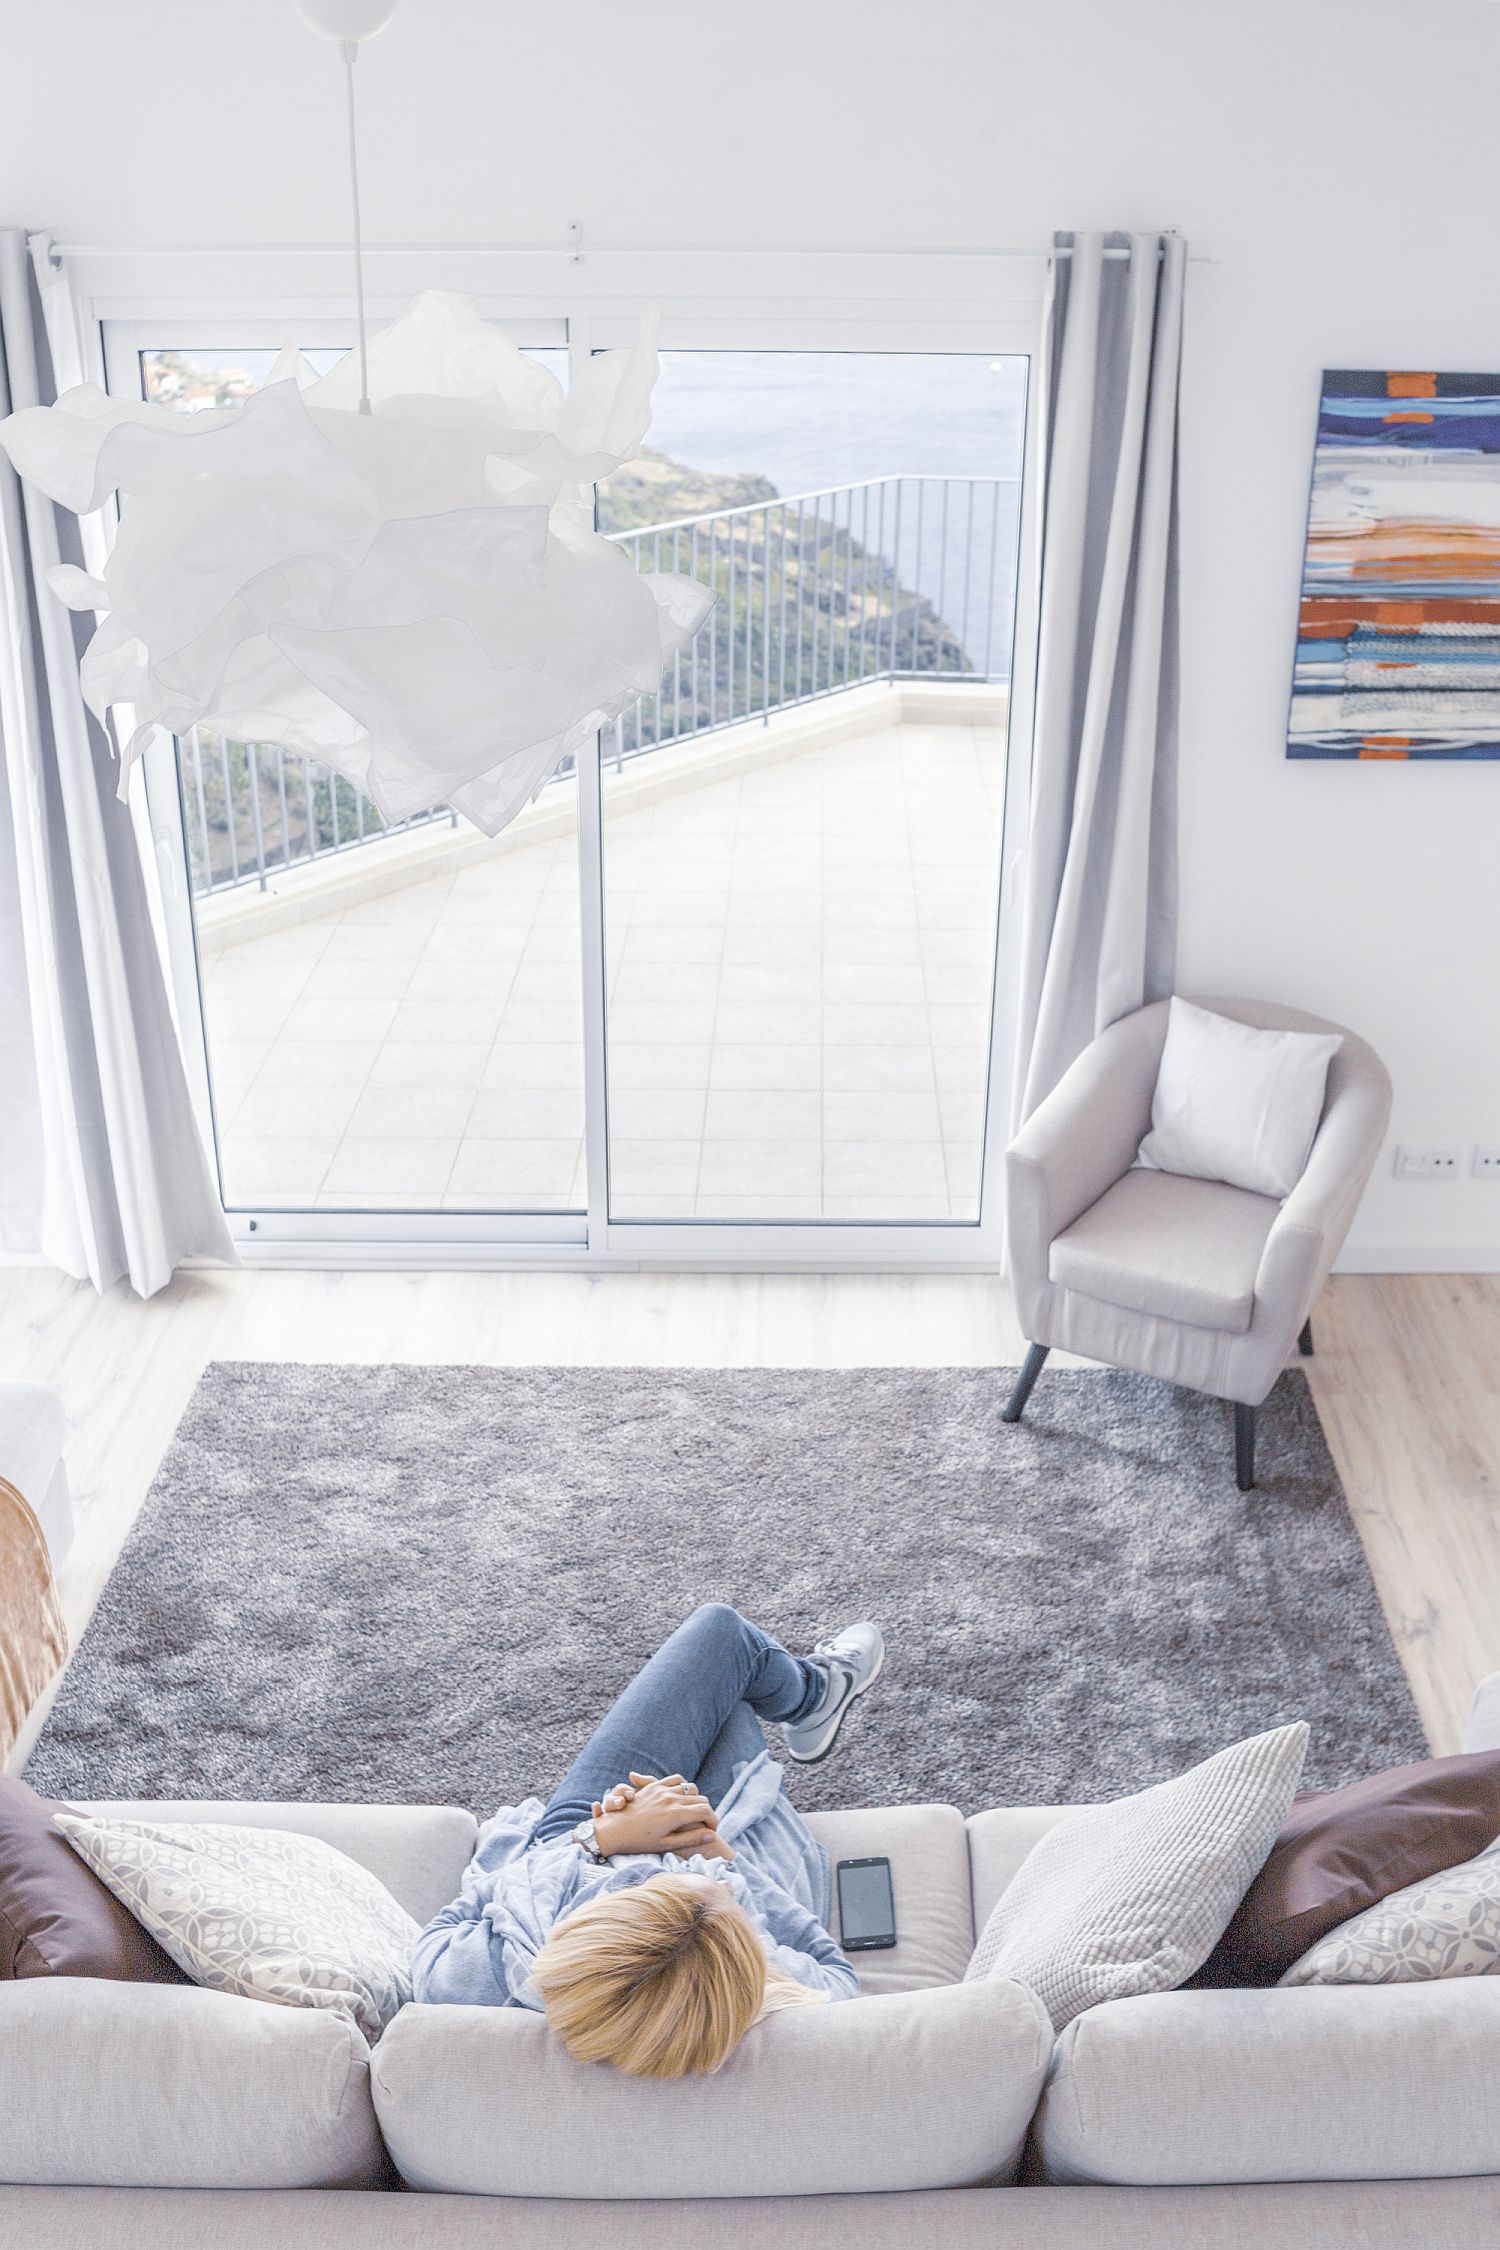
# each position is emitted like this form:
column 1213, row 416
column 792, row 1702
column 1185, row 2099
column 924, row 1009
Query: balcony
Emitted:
column 801, row 864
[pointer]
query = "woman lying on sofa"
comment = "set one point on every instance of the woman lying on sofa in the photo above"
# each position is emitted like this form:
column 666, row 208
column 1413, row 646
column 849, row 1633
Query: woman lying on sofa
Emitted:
column 669, row 1895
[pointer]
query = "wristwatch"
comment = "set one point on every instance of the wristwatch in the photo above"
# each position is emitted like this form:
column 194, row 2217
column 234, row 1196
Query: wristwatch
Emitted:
column 586, row 1839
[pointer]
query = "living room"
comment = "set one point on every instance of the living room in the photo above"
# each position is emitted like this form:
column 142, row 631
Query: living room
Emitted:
column 690, row 1040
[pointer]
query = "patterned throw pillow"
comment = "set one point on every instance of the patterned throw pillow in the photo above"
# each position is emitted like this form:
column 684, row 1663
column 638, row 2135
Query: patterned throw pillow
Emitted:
column 1445, row 1926
column 258, row 1912
column 1133, row 1896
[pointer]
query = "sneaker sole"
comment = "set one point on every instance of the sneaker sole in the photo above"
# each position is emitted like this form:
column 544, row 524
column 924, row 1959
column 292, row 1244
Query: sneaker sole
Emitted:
column 816, row 1757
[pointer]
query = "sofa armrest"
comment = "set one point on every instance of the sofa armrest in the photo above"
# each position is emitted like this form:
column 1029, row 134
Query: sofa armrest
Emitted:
column 1483, row 1729
column 1082, row 1138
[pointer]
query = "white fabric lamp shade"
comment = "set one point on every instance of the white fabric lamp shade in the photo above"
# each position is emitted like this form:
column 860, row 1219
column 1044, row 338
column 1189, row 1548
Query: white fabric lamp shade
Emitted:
column 416, row 597
column 346, row 19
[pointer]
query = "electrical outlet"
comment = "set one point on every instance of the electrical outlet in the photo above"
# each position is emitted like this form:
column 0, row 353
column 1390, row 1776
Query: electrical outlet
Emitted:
column 1487, row 1161
column 1428, row 1163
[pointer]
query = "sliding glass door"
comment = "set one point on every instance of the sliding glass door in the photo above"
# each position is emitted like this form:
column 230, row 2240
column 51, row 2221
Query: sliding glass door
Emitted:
column 728, row 991
column 801, row 832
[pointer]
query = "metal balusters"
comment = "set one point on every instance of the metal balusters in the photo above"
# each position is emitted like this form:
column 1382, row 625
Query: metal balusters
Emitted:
column 864, row 573
column 230, row 815
column 822, row 610
column 968, row 567
column 208, row 857
column 252, row 767
column 817, row 587
column 781, row 628
column 676, row 657
column 989, row 604
column 729, row 632
column 713, row 623
column 286, row 826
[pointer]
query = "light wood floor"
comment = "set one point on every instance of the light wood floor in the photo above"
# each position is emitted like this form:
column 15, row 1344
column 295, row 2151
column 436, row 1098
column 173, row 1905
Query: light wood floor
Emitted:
column 1406, row 1377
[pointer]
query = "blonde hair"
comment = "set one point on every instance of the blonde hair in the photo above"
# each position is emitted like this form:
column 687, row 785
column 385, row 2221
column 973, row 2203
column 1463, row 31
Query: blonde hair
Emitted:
column 661, row 1980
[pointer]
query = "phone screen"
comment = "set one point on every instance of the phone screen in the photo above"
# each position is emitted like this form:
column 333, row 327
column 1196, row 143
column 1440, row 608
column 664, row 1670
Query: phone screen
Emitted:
column 867, row 1907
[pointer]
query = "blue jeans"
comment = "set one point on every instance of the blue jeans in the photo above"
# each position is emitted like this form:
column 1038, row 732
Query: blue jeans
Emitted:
column 695, row 1709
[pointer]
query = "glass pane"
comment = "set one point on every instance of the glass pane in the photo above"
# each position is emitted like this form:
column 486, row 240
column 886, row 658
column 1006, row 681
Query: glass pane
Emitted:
column 802, row 831
column 393, row 1017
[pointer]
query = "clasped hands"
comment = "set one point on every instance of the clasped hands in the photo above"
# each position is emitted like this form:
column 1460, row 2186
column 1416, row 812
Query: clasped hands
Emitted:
column 648, row 1815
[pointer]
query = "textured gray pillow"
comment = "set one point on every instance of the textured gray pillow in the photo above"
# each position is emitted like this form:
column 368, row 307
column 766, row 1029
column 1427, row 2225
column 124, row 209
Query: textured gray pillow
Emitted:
column 1133, row 1896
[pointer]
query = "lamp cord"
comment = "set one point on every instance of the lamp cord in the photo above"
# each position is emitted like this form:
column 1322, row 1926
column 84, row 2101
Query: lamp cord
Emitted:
column 349, row 48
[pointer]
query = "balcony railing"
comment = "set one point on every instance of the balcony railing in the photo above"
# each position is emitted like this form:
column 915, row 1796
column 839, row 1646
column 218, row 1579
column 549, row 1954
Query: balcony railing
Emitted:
column 900, row 577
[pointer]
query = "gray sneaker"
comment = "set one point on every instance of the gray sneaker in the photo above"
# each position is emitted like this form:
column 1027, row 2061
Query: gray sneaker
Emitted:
column 853, row 1659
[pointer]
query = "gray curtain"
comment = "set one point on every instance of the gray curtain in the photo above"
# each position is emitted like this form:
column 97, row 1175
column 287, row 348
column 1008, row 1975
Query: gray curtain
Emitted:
column 1100, row 905
column 104, row 1171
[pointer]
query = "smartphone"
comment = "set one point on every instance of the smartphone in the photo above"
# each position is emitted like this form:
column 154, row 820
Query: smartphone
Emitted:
column 867, row 1905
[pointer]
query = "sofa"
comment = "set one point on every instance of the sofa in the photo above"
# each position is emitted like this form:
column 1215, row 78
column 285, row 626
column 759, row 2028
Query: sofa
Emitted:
column 930, row 2110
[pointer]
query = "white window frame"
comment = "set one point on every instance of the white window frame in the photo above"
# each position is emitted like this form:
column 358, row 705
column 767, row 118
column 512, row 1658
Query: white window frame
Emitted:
column 745, row 300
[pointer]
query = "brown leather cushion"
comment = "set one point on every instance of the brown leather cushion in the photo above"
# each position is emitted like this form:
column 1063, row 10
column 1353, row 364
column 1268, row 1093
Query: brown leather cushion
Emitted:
column 56, row 1917
column 1342, row 1850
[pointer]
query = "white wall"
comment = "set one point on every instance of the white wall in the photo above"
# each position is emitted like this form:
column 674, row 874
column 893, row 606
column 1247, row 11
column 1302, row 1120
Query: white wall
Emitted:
column 1333, row 157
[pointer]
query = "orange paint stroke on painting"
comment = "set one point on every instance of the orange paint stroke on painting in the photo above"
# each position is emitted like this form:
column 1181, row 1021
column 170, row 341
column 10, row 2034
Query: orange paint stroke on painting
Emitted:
column 1407, row 547
column 1410, row 386
column 1332, row 617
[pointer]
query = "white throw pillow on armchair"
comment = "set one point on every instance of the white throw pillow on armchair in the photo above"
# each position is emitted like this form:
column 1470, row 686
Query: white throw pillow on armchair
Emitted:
column 1236, row 1104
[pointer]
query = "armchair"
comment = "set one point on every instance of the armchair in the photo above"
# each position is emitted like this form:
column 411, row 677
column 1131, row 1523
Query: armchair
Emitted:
column 1190, row 1280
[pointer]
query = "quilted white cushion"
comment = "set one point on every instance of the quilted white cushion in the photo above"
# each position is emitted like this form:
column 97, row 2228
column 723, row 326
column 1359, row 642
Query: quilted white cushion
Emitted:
column 1132, row 1897
column 258, row 1912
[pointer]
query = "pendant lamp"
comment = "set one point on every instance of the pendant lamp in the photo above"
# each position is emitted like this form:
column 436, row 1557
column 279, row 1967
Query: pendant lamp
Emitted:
column 392, row 568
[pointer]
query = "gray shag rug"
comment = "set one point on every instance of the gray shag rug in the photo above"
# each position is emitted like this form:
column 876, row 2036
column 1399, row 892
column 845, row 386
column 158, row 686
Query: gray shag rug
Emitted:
column 425, row 1584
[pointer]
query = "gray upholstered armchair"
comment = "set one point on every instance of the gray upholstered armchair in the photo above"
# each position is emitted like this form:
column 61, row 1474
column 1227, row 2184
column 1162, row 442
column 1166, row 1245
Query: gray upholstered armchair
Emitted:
column 1198, row 1283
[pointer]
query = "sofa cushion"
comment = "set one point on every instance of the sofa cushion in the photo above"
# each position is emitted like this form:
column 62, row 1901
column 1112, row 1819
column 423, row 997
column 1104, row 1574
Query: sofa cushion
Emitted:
column 56, row 1918
column 1330, row 2082
column 1236, row 1101
column 929, row 1858
column 1342, row 1850
column 909, row 2090
column 998, row 1843
column 1447, row 1925
column 1130, row 1897
column 1176, row 1249
column 419, row 1852
column 259, row 1912
column 152, row 2085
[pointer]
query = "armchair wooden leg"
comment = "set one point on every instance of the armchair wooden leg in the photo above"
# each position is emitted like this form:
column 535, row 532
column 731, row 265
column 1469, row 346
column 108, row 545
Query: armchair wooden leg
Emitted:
column 1304, row 1341
column 1244, row 1446
column 1036, row 1360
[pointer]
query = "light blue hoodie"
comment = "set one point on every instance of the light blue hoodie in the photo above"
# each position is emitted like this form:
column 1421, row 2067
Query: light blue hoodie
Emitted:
column 480, row 1950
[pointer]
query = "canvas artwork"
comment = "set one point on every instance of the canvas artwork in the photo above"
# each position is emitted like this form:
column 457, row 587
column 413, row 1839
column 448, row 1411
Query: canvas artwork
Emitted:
column 1398, row 641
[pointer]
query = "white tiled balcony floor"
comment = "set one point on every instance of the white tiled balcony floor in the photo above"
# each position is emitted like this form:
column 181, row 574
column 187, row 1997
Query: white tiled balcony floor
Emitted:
column 800, row 960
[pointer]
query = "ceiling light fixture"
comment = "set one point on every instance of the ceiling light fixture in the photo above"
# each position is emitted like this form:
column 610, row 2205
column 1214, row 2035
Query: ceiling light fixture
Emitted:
column 392, row 569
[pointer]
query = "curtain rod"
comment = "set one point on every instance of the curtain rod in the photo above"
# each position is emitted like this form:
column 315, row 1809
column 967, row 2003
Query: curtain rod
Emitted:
column 573, row 248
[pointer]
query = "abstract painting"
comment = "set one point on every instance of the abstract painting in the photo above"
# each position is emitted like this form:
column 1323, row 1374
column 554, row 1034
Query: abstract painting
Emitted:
column 1398, row 640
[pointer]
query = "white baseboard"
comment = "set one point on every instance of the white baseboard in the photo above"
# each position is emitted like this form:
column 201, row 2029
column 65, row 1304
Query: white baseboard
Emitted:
column 1419, row 1257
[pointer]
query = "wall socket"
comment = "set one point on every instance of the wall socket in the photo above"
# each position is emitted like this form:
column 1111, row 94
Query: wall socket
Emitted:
column 1487, row 1161
column 1429, row 1163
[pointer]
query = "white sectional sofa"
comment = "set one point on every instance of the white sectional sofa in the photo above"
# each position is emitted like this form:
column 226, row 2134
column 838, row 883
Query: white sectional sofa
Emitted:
column 156, row 2117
